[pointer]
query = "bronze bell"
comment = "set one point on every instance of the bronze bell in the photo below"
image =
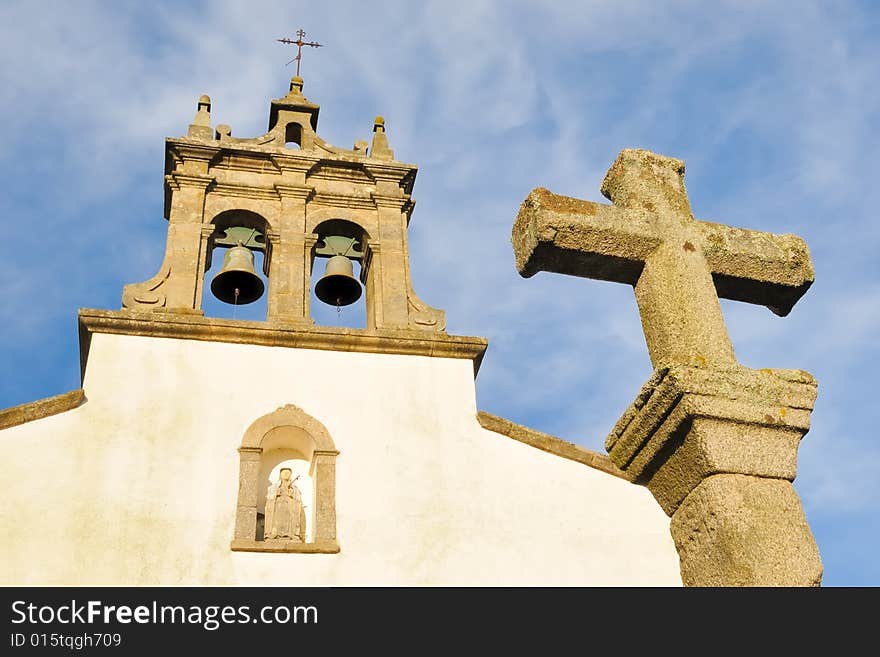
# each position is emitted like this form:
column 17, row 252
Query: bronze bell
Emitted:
column 237, row 283
column 338, row 286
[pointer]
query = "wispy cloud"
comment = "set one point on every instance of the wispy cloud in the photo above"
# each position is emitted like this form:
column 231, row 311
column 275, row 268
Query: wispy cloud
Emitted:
column 774, row 110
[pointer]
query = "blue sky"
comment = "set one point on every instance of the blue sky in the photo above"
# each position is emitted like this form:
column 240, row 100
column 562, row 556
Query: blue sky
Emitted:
column 774, row 109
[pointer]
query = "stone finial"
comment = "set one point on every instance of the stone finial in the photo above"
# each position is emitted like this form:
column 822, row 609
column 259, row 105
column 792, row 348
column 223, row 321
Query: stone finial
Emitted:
column 201, row 125
column 296, row 86
column 379, row 149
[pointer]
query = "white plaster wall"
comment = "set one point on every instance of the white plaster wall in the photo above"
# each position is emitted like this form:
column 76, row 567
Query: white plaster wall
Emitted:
column 138, row 485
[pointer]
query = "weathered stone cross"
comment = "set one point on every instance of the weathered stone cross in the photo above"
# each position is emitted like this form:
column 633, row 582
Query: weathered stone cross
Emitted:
column 679, row 266
column 714, row 442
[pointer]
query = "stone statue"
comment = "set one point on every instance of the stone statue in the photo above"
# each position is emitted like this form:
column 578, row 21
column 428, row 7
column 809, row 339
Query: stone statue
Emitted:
column 285, row 517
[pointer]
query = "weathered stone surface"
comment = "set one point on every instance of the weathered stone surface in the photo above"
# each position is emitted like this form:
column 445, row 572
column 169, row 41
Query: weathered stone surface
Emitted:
column 41, row 408
column 275, row 545
column 612, row 242
column 709, row 446
column 548, row 443
column 702, row 417
column 277, row 333
column 737, row 530
column 688, row 423
column 248, row 485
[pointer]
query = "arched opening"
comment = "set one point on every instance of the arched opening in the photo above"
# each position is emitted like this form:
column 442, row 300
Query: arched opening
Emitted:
column 293, row 135
column 339, row 237
column 287, row 447
column 287, row 438
column 234, row 228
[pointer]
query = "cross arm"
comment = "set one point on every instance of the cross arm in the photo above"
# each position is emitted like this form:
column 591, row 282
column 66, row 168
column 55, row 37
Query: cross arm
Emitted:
column 593, row 240
column 757, row 267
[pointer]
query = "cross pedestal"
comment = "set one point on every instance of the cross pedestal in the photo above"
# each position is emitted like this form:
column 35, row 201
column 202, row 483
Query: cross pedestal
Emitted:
column 714, row 442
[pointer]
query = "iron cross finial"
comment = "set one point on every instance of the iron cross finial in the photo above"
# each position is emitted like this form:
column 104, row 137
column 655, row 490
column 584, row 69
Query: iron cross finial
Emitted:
column 299, row 43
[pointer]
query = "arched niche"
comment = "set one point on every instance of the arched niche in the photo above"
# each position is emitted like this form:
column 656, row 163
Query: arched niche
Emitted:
column 293, row 135
column 288, row 436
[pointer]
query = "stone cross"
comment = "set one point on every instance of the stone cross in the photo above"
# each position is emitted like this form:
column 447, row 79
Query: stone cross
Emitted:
column 714, row 442
column 679, row 266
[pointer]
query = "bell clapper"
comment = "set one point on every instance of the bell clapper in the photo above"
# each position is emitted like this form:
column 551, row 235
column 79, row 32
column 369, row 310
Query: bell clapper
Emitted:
column 235, row 294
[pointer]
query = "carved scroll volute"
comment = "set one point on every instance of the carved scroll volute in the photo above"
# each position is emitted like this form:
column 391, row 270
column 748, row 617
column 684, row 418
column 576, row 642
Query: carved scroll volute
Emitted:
column 148, row 295
column 178, row 284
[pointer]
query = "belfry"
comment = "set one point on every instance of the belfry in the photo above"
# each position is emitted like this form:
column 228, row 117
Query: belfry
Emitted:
column 296, row 198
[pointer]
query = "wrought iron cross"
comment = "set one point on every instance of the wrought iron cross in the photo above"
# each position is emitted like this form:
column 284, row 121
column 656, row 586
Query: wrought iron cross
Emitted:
column 299, row 43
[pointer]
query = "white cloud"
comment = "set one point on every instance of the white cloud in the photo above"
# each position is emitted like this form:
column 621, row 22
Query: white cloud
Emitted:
column 774, row 110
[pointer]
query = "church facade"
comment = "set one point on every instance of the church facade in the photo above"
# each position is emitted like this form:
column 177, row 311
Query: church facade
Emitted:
column 212, row 451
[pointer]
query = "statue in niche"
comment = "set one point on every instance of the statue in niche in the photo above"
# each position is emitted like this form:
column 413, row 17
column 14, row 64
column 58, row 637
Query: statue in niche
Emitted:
column 285, row 516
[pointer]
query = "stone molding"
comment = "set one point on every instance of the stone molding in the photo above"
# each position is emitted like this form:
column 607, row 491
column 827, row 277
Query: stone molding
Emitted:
column 37, row 410
column 177, row 180
column 239, row 190
column 302, row 192
column 240, row 156
column 718, row 451
column 772, row 406
column 275, row 545
column 547, row 443
column 337, row 200
column 288, row 415
column 278, row 334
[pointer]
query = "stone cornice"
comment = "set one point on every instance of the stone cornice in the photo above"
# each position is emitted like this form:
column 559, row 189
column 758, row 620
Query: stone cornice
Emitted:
column 247, row 162
column 280, row 545
column 396, row 171
column 294, row 191
column 290, row 162
column 192, row 150
column 675, row 396
column 286, row 159
column 267, row 160
column 396, row 202
column 41, row 408
column 245, row 191
column 350, row 172
column 548, row 443
column 195, row 327
column 343, row 200
column 178, row 180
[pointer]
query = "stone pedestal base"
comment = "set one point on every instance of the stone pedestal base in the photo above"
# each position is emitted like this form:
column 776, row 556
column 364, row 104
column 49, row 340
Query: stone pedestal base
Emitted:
column 738, row 530
column 718, row 450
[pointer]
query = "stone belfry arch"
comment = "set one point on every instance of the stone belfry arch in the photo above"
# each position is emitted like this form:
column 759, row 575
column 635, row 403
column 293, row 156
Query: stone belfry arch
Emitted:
column 288, row 186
